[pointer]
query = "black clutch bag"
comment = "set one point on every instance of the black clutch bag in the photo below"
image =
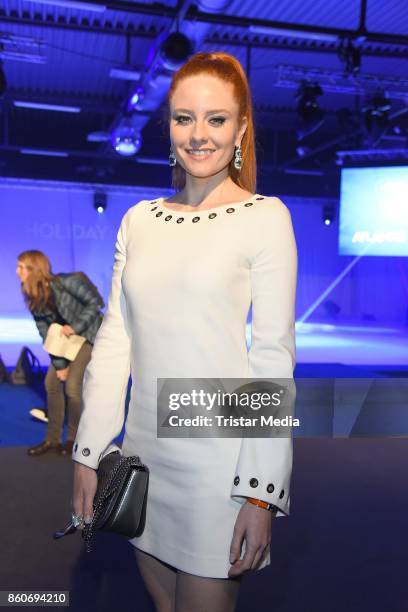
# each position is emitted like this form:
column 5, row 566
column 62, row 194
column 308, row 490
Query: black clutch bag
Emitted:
column 120, row 499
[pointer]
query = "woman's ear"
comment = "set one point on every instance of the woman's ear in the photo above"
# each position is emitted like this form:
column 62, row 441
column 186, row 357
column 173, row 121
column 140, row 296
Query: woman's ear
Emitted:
column 241, row 132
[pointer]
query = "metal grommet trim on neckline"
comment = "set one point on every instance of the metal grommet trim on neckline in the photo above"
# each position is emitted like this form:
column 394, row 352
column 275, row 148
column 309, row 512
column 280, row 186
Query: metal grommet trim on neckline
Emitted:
column 195, row 219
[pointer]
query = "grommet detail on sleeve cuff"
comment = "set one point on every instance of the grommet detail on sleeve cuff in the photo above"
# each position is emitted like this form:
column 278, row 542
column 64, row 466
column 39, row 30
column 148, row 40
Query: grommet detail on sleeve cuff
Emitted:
column 236, row 481
column 270, row 488
column 86, row 452
column 253, row 482
column 281, row 494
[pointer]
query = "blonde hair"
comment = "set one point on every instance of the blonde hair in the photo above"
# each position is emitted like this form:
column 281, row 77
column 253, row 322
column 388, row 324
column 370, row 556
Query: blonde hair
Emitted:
column 229, row 69
column 36, row 291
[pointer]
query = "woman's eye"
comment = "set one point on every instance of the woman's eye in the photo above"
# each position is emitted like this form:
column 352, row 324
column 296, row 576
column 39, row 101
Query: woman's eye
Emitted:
column 181, row 119
column 219, row 120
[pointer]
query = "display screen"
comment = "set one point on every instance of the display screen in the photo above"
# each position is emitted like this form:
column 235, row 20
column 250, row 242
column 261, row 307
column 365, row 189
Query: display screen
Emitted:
column 374, row 211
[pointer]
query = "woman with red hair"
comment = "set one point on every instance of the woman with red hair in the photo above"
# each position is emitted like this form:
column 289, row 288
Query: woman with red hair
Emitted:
column 187, row 269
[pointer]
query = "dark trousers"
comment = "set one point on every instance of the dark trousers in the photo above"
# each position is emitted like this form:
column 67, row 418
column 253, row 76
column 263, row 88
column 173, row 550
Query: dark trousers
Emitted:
column 73, row 395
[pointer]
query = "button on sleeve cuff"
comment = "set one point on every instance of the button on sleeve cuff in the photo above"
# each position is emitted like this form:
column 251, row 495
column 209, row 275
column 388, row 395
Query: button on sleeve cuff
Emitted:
column 263, row 471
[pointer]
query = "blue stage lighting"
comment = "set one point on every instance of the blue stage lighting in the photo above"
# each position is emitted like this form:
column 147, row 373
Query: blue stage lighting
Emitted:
column 136, row 99
column 125, row 139
column 328, row 214
column 175, row 50
column 100, row 202
column 376, row 119
column 310, row 115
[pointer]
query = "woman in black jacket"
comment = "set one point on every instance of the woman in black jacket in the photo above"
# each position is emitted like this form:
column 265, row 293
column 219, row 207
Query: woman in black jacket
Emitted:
column 74, row 302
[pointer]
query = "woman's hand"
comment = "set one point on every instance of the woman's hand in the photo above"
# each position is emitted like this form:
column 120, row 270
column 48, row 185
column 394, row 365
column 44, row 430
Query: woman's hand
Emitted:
column 62, row 375
column 67, row 331
column 85, row 484
column 255, row 524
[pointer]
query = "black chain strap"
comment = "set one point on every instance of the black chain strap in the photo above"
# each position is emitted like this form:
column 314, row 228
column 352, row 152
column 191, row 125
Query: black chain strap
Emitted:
column 115, row 478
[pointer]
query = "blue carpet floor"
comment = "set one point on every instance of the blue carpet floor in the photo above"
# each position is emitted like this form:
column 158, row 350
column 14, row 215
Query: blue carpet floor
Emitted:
column 17, row 426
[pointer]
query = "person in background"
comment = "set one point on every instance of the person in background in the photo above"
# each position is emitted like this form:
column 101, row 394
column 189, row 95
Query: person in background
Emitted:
column 71, row 300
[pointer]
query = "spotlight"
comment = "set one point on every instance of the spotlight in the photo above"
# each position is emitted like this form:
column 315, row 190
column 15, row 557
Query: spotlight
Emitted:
column 175, row 50
column 376, row 119
column 136, row 99
column 3, row 81
column 310, row 115
column 125, row 139
column 302, row 150
column 100, row 202
column 328, row 214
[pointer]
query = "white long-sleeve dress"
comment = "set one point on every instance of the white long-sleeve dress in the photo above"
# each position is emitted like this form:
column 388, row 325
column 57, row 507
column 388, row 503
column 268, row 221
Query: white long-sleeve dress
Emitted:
column 182, row 286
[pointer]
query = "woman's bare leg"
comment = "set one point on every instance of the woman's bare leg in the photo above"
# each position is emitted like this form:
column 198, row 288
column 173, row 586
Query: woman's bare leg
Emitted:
column 194, row 593
column 160, row 580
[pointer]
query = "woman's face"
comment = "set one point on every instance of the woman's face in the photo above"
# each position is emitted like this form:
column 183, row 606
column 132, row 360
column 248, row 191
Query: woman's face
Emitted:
column 22, row 271
column 204, row 124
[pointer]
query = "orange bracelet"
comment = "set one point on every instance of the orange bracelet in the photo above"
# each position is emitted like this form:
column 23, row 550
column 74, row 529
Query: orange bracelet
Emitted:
column 261, row 504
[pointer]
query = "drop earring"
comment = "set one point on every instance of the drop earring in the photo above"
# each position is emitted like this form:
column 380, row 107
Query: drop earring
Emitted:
column 238, row 158
column 172, row 158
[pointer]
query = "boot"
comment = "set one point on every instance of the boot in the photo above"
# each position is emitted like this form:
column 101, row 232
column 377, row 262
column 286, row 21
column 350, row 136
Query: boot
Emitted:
column 44, row 447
